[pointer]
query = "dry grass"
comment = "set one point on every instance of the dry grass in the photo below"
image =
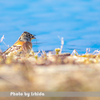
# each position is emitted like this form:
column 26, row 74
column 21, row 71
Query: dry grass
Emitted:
column 59, row 72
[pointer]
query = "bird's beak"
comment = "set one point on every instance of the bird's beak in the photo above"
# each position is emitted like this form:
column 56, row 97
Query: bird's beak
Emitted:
column 33, row 36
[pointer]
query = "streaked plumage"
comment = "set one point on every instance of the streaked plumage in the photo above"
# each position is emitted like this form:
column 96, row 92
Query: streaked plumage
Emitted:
column 22, row 45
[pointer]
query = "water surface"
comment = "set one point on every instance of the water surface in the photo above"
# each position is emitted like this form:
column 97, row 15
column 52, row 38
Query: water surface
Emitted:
column 77, row 21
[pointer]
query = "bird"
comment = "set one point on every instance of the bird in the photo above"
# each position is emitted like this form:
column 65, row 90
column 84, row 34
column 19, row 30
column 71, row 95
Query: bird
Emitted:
column 22, row 46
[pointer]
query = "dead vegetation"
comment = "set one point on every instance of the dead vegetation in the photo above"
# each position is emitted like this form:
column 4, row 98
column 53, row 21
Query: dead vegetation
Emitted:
column 50, row 72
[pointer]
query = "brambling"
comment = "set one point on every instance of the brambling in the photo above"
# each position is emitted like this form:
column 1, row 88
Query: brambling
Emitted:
column 22, row 46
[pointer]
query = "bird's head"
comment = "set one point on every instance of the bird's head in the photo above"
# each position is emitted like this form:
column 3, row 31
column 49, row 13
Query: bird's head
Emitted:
column 26, row 36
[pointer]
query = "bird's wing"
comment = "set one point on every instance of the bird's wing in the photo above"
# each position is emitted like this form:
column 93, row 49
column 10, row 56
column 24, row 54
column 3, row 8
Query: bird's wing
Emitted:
column 19, row 47
column 12, row 49
column 15, row 48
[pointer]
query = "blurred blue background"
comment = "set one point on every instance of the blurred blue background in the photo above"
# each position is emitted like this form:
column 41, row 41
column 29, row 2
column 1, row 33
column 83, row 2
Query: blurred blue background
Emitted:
column 77, row 21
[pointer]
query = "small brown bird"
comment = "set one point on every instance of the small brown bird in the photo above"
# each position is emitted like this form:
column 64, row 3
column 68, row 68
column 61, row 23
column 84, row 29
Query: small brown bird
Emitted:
column 22, row 46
